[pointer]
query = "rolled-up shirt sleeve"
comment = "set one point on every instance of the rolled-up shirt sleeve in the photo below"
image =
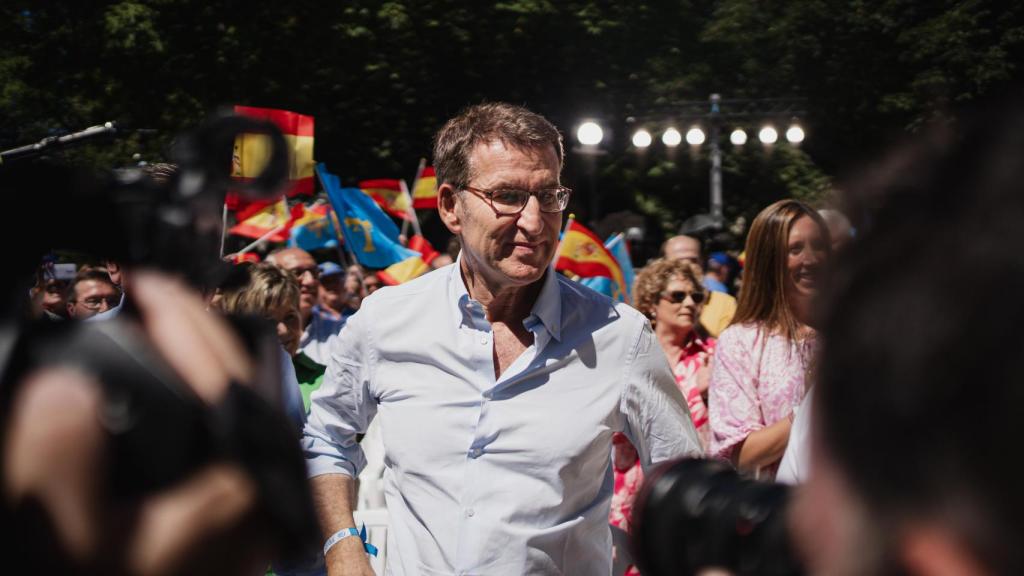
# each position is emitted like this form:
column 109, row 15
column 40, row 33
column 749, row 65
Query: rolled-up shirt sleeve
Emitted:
column 343, row 406
column 657, row 419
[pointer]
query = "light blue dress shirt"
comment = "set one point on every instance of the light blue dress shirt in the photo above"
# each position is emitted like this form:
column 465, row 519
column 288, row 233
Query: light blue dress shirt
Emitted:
column 496, row 476
column 317, row 338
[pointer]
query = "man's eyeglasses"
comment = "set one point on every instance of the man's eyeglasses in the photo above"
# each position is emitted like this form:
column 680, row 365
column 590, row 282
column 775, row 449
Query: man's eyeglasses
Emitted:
column 300, row 272
column 511, row 201
column 679, row 296
column 96, row 302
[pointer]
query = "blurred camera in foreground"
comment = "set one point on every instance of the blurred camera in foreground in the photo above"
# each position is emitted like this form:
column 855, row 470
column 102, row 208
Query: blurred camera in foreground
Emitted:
column 700, row 516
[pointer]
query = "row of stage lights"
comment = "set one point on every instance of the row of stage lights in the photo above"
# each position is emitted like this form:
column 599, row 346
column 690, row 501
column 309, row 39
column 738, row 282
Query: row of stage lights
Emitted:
column 591, row 134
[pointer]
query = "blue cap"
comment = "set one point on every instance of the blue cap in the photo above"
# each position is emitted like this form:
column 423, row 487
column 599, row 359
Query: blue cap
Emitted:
column 720, row 258
column 330, row 269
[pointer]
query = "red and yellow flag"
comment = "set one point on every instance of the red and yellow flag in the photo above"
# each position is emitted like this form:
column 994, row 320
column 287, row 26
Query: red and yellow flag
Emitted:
column 252, row 151
column 583, row 254
column 424, row 192
column 401, row 272
column 423, row 246
column 258, row 223
column 389, row 194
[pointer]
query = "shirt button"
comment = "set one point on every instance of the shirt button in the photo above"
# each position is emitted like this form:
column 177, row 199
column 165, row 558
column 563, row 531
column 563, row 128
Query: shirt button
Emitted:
column 470, row 512
column 476, row 452
column 483, row 340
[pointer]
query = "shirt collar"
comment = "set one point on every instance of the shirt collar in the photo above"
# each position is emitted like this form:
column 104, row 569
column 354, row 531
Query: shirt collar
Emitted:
column 547, row 309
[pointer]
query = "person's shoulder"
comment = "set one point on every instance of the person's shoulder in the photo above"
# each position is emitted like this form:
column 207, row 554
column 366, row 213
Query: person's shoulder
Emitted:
column 387, row 295
column 580, row 303
column 738, row 335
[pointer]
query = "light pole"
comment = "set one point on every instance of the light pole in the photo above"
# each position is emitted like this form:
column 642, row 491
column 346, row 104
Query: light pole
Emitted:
column 738, row 112
column 589, row 135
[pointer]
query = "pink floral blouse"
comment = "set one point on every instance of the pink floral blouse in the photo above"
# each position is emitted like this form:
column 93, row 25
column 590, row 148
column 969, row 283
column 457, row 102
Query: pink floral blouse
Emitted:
column 756, row 381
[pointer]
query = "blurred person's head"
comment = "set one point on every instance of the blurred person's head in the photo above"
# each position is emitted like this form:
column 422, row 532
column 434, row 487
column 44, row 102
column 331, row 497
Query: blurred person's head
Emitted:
column 115, row 272
column 684, row 248
column 786, row 252
column 440, row 261
column 334, row 294
column 839, row 229
column 670, row 294
column 51, row 288
column 355, row 285
column 919, row 402
column 372, row 283
column 90, row 293
column 270, row 293
column 304, row 268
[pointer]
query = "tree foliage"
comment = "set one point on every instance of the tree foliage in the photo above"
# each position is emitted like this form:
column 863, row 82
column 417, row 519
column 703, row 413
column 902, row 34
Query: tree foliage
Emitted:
column 381, row 76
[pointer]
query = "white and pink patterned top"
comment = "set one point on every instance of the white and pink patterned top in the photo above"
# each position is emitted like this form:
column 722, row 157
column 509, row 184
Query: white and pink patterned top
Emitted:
column 691, row 359
column 756, row 381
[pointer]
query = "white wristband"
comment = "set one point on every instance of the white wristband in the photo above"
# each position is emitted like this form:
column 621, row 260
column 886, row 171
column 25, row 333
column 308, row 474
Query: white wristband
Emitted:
column 338, row 537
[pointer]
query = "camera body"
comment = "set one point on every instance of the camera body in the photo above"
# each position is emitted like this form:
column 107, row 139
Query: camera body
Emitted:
column 697, row 514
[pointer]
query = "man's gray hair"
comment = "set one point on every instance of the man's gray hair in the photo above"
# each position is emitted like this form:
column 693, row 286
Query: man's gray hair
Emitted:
column 512, row 125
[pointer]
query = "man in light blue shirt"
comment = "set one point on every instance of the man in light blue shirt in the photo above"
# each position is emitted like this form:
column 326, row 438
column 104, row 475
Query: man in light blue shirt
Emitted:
column 498, row 383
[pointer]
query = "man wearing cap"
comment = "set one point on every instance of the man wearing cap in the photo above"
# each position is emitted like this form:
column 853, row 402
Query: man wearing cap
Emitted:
column 497, row 382
column 333, row 296
column 318, row 329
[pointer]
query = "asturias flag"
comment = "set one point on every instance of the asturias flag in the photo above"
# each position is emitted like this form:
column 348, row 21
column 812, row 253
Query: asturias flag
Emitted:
column 583, row 254
column 315, row 231
column 369, row 233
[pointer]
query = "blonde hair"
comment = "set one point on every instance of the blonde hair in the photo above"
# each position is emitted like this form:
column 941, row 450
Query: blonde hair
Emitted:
column 268, row 289
column 652, row 280
column 763, row 298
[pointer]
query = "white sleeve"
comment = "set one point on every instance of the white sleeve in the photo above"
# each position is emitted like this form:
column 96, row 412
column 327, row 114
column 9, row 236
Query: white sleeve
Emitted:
column 657, row 418
column 796, row 460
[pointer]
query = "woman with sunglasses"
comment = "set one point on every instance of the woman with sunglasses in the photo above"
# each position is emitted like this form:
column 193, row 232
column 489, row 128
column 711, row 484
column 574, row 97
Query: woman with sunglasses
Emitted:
column 762, row 358
column 669, row 292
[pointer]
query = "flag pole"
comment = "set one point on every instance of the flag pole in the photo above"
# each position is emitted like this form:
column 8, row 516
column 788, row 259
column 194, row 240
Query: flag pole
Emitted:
column 615, row 240
column 561, row 237
column 259, row 240
column 223, row 228
column 332, row 216
column 412, row 211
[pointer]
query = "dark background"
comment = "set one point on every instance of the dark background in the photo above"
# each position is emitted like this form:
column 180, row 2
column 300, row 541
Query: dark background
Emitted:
column 381, row 77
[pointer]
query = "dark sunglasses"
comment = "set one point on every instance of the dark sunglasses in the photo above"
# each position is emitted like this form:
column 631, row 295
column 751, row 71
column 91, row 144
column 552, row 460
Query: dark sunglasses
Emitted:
column 679, row 296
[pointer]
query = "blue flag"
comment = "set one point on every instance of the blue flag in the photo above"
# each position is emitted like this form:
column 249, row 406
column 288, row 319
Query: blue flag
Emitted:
column 616, row 244
column 314, row 235
column 369, row 233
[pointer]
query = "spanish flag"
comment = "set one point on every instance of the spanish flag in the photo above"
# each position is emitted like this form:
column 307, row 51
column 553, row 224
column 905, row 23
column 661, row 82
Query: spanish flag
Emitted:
column 389, row 194
column 276, row 217
column 252, row 150
column 424, row 191
column 403, row 271
column 583, row 254
column 256, row 223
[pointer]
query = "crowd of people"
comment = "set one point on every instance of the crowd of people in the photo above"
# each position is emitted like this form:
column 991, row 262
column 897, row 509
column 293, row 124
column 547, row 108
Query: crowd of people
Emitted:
column 519, row 412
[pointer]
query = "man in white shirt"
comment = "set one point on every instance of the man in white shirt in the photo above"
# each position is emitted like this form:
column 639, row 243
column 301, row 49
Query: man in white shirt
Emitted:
column 498, row 382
